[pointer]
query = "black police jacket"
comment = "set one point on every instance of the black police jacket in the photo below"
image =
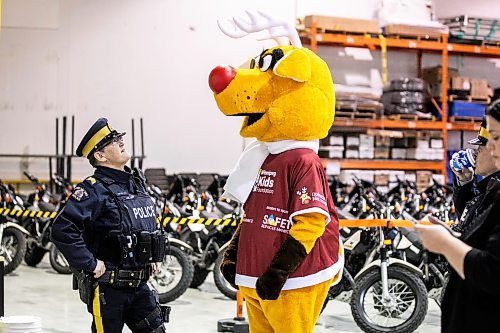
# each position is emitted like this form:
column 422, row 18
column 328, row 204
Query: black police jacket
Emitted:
column 471, row 305
column 467, row 199
column 108, row 204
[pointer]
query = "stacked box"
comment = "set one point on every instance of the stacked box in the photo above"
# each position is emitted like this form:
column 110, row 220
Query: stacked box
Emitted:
column 479, row 89
column 352, row 141
column 398, row 153
column 366, row 143
column 436, row 143
column 352, row 153
column 381, row 152
column 382, row 180
column 382, row 141
column 331, row 152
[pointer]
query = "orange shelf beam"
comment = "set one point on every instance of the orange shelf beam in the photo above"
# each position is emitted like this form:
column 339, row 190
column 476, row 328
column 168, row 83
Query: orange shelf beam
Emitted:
column 470, row 127
column 479, row 50
column 386, row 164
column 386, row 123
column 371, row 42
column 396, row 43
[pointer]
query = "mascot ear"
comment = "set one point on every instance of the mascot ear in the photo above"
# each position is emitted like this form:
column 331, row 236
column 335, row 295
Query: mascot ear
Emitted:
column 295, row 65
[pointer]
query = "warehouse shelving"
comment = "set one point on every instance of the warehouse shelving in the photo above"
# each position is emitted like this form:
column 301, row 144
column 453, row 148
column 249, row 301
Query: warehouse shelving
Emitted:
column 314, row 38
column 364, row 164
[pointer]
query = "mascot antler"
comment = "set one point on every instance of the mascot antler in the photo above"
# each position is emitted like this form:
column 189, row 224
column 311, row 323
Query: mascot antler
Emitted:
column 259, row 21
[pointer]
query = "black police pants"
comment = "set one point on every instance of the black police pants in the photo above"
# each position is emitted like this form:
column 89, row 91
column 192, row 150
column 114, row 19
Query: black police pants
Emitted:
column 111, row 308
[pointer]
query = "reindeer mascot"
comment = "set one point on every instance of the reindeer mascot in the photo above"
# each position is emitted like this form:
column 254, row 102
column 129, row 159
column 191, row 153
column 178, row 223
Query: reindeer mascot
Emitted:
column 286, row 251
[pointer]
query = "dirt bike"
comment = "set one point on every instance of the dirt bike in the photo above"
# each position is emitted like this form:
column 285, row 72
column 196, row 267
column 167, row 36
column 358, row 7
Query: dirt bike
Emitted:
column 12, row 235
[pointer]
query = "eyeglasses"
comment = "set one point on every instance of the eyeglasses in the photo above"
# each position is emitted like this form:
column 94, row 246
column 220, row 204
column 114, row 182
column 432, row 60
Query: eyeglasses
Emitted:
column 115, row 141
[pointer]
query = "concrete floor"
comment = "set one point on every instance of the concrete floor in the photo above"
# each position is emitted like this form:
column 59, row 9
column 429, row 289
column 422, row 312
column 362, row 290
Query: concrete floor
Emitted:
column 44, row 293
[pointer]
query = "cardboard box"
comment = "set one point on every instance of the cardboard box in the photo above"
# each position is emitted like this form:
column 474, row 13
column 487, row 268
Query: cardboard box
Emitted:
column 413, row 30
column 381, row 180
column 460, row 83
column 398, row 153
column 419, row 154
column 351, row 153
column 366, row 152
column 342, row 24
column 423, row 177
column 479, row 88
column 331, row 152
column 336, row 140
column 436, row 154
column 381, row 152
column 366, row 141
column 352, row 141
column 399, row 143
column 433, row 75
column 382, row 141
column 419, row 143
column 436, row 143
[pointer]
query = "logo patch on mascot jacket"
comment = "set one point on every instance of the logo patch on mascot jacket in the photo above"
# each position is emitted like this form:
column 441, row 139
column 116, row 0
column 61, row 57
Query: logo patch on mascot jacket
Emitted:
column 304, row 196
column 79, row 194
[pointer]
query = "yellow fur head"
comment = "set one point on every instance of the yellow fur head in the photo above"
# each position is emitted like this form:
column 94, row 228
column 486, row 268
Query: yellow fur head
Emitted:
column 286, row 94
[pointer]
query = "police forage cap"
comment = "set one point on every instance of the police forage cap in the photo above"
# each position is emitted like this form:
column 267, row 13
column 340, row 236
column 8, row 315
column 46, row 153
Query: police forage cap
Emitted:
column 482, row 137
column 100, row 134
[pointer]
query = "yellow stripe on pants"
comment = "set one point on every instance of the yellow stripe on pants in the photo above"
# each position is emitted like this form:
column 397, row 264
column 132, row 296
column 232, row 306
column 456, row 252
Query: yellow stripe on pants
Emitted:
column 96, row 311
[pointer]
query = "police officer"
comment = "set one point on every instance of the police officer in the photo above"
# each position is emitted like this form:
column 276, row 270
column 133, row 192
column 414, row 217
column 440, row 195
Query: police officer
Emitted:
column 107, row 232
column 467, row 193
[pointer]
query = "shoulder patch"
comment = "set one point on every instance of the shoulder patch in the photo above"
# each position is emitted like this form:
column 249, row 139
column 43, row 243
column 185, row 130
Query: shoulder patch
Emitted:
column 91, row 180
column 79, row 194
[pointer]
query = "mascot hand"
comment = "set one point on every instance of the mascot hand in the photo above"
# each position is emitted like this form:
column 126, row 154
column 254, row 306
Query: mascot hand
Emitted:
column 270, row 283
column 228, row 269
column 284, row 263
column 228, row 264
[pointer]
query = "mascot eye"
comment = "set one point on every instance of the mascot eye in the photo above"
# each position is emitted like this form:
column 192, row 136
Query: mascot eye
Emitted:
column 254, row 62
column 265, row 62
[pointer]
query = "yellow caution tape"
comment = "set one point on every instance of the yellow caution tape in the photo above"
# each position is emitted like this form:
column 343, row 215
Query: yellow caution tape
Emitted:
column 27, row 213
column 362, row 223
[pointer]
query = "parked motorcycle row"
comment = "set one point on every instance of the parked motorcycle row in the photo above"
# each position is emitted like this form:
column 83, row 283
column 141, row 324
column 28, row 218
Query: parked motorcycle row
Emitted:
column 388, row 277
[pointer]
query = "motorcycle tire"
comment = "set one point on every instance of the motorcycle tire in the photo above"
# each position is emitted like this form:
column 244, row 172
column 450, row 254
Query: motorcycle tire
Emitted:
column 34, row 254
column 373, row 277
column 220, row 282
column 199, row 276
column 14, row 243
column 187, row 271
column 58, row 262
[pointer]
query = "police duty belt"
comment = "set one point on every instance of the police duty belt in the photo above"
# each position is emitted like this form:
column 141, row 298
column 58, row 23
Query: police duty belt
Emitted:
column 27, row 213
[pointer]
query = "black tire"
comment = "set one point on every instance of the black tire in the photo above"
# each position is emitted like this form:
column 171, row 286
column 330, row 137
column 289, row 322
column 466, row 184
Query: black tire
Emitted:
column 371, row 279
column 34, row 254
column 13, row 248
column 58, row 262
column 163, row 283
column 220, row 282
column 199, row 276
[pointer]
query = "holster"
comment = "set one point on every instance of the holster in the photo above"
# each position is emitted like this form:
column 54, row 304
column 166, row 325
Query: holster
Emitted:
column 86, row 284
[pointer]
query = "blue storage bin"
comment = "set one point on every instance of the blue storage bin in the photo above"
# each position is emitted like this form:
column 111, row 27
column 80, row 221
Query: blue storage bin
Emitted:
column 466, row 109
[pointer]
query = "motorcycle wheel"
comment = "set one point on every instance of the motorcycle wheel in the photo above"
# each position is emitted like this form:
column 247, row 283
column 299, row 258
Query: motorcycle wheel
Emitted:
column 403, row 313
column 175, row 277
column 58, row 262
column 12, row 248
column 220, row 282
column 34, row 254
column 200, row 275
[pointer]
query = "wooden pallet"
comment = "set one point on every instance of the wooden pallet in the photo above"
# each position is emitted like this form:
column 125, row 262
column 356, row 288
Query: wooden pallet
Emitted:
column 469, row 98
column 355, row 115
column 409, row 117
column 415, row 37
column 347, row 33
column 464, row 119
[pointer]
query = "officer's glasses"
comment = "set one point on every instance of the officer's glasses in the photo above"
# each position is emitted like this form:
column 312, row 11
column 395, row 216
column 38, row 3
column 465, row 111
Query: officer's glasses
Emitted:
column 115, row 141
